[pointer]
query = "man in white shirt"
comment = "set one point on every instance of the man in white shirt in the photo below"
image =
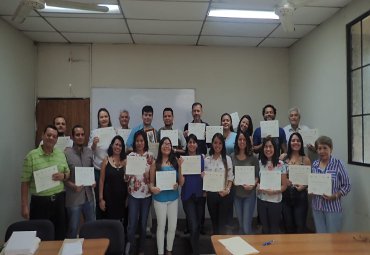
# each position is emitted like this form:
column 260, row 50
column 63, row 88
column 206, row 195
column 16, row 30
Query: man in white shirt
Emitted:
column 124, row 119
column 294, row 118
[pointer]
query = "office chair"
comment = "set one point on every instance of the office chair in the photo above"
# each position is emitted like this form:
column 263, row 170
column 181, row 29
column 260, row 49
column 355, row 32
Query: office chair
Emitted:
column 44, row 229
column 111, row 229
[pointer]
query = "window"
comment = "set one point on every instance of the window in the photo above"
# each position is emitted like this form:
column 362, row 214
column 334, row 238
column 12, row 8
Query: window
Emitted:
column 358, row 87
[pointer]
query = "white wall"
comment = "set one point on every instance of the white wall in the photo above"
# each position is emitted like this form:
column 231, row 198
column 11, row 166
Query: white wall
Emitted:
column 318, row 84
column 17, row 101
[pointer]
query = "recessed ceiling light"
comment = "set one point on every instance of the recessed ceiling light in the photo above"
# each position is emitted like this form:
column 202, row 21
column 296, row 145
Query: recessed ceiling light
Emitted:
column 243, row 14
column 113, row 9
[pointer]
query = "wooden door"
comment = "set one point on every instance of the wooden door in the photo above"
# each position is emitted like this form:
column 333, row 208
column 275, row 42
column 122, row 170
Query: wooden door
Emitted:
column 74, row 110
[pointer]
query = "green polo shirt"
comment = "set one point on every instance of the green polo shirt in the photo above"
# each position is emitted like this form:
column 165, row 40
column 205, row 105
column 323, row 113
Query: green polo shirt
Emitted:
column 37, row 160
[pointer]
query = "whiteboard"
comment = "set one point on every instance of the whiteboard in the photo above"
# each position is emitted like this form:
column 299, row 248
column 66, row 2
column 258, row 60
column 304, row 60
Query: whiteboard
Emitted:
column 133, row 100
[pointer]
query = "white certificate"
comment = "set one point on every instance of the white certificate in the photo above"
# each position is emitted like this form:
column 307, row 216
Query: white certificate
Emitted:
column 319, row 184
column 211, row 131
column 64, row 142
column 269, row 128
column 270, row 180
column 198, row 129
column 191, row 165
column 105, row 135
column 172, row 134
column 124, row 133
column 309, row 136
column 298, row 174
column 165, row 180
column 235, row 120
column 214, row 181
column 135, row 165
column 245, row 175
column 153, row 148
column 43, row 178
column 84, row 176
column 237, row 245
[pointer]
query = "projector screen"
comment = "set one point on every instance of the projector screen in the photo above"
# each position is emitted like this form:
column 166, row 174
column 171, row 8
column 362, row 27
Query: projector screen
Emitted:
column 133, row 100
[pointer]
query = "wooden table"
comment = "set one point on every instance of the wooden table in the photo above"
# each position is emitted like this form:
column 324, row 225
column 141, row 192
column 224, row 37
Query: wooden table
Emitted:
column 302, row 244
column 89, row 247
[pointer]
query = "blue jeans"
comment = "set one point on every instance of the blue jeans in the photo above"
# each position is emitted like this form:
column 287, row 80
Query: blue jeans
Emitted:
column 244, row 208
column 74, row 213
column 194, row 208
column 138, row 208
column 327, row 222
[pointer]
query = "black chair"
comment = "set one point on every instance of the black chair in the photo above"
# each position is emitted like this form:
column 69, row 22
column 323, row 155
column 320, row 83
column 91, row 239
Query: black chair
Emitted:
column 111, row 229
column 44, row 229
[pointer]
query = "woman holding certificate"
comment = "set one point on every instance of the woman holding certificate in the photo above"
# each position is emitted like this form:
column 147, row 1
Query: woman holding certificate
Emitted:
column 164, row 183
column 327, row 208
column 273, row 182
column 246, row 172
column 112, row 187
column 295, row 200
column 246, row 125
column 139, row 198
column 99, row 149
column 192, row 197
column 228, row 132
column 217, row 181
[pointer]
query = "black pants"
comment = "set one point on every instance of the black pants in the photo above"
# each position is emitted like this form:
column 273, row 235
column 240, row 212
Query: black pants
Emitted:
column 50, row 208
column 270, row 216
column 218, row 208
column 295, row 212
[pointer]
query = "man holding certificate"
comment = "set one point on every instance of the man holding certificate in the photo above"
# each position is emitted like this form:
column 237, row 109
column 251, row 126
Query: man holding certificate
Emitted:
column 273, row 182
column 80, row 187
column 46, row 188
column 327, row 208
column 176, row 136
column 164, row 183
column 269, row 114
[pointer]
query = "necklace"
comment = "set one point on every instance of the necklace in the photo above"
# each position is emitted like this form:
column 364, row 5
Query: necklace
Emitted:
column 117, row 165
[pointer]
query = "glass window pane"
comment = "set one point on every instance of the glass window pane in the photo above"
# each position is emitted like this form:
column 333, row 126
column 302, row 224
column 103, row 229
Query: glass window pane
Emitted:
column 357, row 139
column 366, row 41
column 356, row 92
column 366, row 88
column 356, row 45
column 367, row 139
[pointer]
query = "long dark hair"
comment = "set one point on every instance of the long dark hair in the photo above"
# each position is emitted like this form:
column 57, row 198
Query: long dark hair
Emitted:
column 104, row 110
column 143, row 134
column 195, row 139
column 250, row 126
column 248, row 148
column 122, row 155
column 275, row 157
column 231, row 120
column 290, row 150
column 223, row 151
column 171, row 158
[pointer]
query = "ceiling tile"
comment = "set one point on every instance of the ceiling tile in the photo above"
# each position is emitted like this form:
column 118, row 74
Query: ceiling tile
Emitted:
column 229, row 41
column 278, row 42
column 89, row 25
column 8, row 7
column 330, row 3
column 299, row 32
column 165, row 39
column 97, row 38
column 30, row 24
column 238, row 29
column 312, row 15
column 163, row 10
column 45, row 37
column 164, row 27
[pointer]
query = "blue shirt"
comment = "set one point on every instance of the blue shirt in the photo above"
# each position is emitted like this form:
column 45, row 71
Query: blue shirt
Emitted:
column 130, row 139
column 167, row 195
column 229, row 143
column 193, row 184
column 340, row 183
column 257, row 140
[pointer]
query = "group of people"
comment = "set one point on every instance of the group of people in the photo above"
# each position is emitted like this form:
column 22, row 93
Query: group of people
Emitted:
column 129, row 197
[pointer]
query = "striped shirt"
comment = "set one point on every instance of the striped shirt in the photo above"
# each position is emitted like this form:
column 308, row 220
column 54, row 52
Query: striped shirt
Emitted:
column 37, row 160
column 340, row 183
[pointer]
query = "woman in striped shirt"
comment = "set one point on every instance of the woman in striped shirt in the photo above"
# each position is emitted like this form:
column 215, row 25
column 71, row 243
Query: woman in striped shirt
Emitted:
column 327, row 209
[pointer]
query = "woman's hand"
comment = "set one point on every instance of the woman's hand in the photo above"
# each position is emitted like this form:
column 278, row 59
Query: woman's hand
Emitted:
column 149, row 159
column 102, row 205
column 180, row 161
column 331, row 198
column 155, row 190
column 175, row 186
column 224, row 192
column 300, row 187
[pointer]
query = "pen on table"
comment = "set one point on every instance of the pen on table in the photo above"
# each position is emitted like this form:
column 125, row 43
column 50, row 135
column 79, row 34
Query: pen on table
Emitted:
column 268, row 243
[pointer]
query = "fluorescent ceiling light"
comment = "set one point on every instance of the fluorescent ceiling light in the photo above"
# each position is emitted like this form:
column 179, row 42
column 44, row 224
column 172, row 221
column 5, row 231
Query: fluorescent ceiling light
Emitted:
column 113, row 9
column 243, row 14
